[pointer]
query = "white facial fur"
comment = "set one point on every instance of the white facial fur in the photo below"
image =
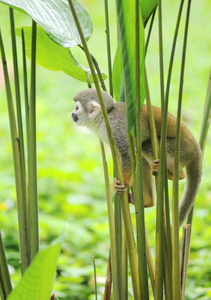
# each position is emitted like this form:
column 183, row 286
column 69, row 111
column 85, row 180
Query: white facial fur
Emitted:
column 93, row 108
column 78, row 113
column 85, row 116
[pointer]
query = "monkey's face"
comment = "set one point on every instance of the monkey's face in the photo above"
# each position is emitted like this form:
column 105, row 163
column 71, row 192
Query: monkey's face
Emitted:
column 86, row 113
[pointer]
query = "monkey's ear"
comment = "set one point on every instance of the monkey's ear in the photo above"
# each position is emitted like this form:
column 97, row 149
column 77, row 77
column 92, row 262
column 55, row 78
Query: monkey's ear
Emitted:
column 94, row 108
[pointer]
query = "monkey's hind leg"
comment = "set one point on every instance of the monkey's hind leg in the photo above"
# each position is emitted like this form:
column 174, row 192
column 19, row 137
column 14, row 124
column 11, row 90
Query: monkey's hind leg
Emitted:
column 127, row 174
column 170, row 148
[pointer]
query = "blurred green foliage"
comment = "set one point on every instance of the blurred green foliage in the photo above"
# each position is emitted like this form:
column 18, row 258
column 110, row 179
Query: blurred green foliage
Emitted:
column 70, row 175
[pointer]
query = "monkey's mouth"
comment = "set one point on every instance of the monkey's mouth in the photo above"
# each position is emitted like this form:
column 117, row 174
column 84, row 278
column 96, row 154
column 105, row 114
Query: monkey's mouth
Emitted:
column 75, row 117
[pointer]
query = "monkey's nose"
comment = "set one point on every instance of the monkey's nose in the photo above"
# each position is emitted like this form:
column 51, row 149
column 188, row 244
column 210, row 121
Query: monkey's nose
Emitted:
column 75, row 117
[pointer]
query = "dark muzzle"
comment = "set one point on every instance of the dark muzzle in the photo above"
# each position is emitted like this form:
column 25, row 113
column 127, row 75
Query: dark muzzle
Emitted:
column 75, row 117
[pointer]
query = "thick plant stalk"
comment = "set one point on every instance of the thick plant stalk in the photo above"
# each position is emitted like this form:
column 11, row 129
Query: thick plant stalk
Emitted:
column 150, row 265
column 22, row 224
column 32, row 156
column 175, row 199
column 139, row 198
column 120, row 259
column 161, row 174
column 184, row 256
column 25, row 84
column 204, row 131
column 114, row 259
column 159, row 236
column 18, row 106
column 121, row 269
column 124, row 202
column 206, row 116
column 154, row 140
column 108, row 283
column 119, row 243
column 168, row 267
column 108, row 47
column 5, row 281
column 203, row 136
column 122, row 253
column 154, row 143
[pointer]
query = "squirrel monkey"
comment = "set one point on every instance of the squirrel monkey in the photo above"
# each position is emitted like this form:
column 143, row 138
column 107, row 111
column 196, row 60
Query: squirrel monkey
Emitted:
column 87, row 112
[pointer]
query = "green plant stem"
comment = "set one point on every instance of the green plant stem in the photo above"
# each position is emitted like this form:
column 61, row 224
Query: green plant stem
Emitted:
column 150, row 265
column 108, row 47
column 149, row 31
column 172, row 56
column 155, row 151
column 154, row 140
column 108, row 282
column 160, row 34
column 184, row 257
column 124, row 201
column 124, row 263
column 175, row 199
column 18, row 106
column 120, row 259
column 114, row 259
column 119, row 243
column 17, row 166
column 139, row 198
column 203, row 137
column 206, row 116
column 88, row 80
column 167, row 243
column 119, row 271
column 97, row 69
column 98, row 72
column 167, row 269
column 32, row 156
column 167, row 235
column 25, row 84
column 19, row 115
column 5, row 280
column 161, row 174
column 204, row 131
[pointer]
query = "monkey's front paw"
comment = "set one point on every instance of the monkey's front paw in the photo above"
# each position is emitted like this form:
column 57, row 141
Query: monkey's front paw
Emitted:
column 118, row 188
column 155, row 167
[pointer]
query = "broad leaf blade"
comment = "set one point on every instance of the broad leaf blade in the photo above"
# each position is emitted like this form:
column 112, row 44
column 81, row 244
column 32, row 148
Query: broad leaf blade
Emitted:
column 55, row 17
column 126, row 16
column 36, row 283
column 52, row 56
column 147, row 7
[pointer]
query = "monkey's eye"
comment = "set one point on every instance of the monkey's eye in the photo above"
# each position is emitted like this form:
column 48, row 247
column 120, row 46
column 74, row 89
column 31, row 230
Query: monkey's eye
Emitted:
column 76, row 107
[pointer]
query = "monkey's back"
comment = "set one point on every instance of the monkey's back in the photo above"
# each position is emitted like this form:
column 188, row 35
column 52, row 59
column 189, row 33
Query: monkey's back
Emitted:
column 117, row 117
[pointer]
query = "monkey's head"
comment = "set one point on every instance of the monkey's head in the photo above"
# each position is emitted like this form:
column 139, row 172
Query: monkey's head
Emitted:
column 87, row 106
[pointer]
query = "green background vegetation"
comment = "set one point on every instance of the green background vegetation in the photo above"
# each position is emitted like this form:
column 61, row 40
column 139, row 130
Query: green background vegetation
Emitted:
column 70, row 174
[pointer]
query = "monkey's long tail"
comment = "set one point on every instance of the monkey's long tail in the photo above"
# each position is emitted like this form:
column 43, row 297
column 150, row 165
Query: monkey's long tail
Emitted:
column 193, row 179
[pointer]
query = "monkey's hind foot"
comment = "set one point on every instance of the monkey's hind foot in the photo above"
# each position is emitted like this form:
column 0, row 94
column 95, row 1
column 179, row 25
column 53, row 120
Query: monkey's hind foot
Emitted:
column 155, row 166
column 117, row 188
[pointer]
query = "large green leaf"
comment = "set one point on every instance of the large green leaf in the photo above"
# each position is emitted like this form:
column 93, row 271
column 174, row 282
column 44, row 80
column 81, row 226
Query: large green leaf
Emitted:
column 126, row 17
column 36, row 283
column 147, row 7
column 52, row 56
column 56, row 19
